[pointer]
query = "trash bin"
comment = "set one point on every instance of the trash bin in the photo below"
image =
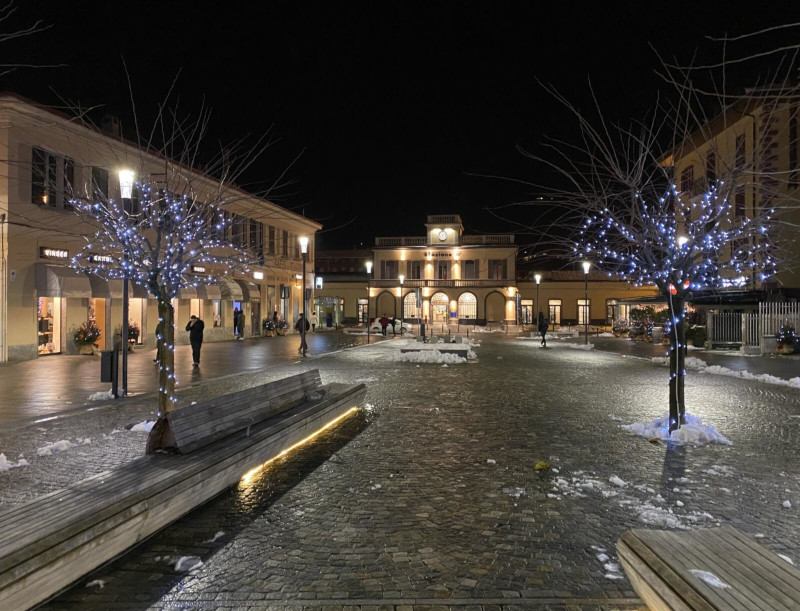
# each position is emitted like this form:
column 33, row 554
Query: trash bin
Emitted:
column 422, row 329
column 107, row 365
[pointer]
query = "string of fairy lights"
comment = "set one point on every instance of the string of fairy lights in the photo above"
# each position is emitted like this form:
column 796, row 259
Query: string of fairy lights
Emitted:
column 156, row 246
column 679, row 243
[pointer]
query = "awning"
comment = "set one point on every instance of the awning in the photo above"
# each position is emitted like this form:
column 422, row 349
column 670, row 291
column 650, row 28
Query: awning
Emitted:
column 208, row 291
column 250, row 290
column 60, row 281
column 187, row 292
column 230, row 289
column 112, row 288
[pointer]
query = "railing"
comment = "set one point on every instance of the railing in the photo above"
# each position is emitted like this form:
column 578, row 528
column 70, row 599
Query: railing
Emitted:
column 444, row 218
column 772, row 315
column 501, row 238
column 726, row 328
column 751, row 334
column 444, row 284
column 401, row 241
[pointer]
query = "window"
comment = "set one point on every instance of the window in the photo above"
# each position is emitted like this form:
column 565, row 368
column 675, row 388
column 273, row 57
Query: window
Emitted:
column 442, row 270
column 196, row 307
column 554, row 307
column 415, row 270
column 410, row 306
column 526, row 311
column 615, row 310
column 271, row 234
column 52, row 178
column 470, row 270
column 285, row 245
column 497, row 269
column 711, row 168
column 216, row 312
column 584, row 311
column 362, row 309
column 100, row 183
column 687, row 180
column 388, row 269
column 467, row 306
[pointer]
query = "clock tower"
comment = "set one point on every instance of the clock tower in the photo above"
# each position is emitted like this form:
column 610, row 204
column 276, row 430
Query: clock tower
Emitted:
column 444, row 230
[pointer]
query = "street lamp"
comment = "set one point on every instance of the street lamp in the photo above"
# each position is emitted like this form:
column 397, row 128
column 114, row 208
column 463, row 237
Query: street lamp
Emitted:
column 126, row 178
column 538, row 278
column 304, row 252
column 369, row 277
column 586, row 266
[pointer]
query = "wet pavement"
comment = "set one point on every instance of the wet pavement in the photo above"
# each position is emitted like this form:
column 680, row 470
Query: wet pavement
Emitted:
column 54, row 384
column 430, row 499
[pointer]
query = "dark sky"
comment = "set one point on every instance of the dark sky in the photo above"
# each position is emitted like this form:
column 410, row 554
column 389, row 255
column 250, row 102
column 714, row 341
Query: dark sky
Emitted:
column 395, row 105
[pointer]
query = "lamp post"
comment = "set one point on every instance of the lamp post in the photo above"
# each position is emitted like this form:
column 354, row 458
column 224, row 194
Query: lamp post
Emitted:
column 304, row 253
column 402, row 278
column 126, row 190
column 369, row 277
column 586, row 266
column 538, row 278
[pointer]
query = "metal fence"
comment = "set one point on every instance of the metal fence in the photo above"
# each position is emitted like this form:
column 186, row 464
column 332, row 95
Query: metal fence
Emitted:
column 726, row 328
column 751, row 330
column 774, row 314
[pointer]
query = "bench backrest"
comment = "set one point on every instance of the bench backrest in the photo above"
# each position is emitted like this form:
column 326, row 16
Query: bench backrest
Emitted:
column 195, row 426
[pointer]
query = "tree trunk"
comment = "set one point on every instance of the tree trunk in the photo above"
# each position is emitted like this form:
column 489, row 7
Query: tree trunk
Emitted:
column 677, row 359
column 160, row 436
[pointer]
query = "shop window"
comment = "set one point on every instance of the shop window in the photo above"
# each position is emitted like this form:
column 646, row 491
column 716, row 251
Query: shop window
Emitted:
column 97, row 314
column 410, row 306
column 137, row 308
column 526, row 311
column 467, row 306
column 49, row 314
column 362, row 309
column 554, row 310
column 216, row 312
column 196, row 308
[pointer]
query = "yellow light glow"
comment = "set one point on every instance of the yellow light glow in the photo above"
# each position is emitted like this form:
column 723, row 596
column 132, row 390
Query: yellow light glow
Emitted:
column 402, row 255
column 247, row 477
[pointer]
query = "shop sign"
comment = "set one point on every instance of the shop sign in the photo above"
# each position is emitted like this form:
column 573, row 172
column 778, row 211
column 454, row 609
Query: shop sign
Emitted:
column 53, row 253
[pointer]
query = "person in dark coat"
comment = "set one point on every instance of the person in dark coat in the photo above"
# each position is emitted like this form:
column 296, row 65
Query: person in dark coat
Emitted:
column 236, row 322
column 240, row 324
column 393, row 322
column 159, row 343
column 195, row 329
column 302, row 322
column 542, row 326
column 384, row 323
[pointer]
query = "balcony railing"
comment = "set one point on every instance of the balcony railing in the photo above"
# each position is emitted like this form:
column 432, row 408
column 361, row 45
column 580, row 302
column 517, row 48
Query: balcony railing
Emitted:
column 502, row 238
column 444, row 284
column 401, row 241
column 444, row 218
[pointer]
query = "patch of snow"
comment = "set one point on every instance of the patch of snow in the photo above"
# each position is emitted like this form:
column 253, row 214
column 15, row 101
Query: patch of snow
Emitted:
column 613, row 576
column 611, row 567
column 615, row 418
column 787, row 505
column 491, row 461
column 679, row 503
column 709, row 578
column 428, row 356
column 575, row 346
column 375, row 487
column 7, row 465
column 145, row 426
column 603, row 557
column 96, row 583
column 617, row 481
column 759, row 536
column 514, row 491
column 62, row 446
column 214, row 539
column 700, row 365
column 186, row 564
column 789, row 560
column 693, row 432
column 101, row 396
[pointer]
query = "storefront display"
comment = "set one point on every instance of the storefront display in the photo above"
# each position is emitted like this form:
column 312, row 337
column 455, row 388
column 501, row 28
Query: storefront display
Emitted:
column 49, row 313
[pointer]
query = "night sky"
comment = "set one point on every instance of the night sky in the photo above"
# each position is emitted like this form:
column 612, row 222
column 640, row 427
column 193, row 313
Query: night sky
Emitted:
column 396, row 107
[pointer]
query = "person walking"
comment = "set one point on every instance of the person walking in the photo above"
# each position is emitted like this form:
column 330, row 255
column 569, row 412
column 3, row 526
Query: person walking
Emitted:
column 240, row 325
column 393, row 322
column 298, row 326
column 195, row 329
column 314, row 322
column 384, row 323
column 541, row 326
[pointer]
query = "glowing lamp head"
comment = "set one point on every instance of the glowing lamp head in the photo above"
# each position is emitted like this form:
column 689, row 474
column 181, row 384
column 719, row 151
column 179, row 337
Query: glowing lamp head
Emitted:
column 586, row 267
column 682, row 241
column 402, row 278
column 369, row 267
column 538, row 278
column 304, row 244
column 126, row 183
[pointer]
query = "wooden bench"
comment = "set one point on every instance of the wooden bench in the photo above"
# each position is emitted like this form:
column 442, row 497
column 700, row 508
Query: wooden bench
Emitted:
column 54, row 540
column 658, row 564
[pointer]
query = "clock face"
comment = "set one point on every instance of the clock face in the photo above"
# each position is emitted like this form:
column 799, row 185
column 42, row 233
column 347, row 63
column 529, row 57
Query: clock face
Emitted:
column 442, row 235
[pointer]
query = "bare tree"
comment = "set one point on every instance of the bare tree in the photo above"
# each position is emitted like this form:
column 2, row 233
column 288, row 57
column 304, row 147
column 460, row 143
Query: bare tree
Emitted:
column 624, row 209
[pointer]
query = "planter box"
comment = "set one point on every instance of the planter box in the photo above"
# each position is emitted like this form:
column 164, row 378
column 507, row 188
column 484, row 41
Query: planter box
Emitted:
column 86, row 349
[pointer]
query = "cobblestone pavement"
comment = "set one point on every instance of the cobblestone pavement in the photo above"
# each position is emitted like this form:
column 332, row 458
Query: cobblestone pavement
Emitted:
column 54, row 384
column 434, row 502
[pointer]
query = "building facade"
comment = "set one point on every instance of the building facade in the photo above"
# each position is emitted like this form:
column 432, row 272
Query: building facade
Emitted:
column 48, row 157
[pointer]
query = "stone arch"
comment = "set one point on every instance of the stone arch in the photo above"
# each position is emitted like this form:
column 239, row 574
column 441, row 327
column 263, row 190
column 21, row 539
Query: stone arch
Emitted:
column 494, row 306
column 411, row 309
column 385, row 303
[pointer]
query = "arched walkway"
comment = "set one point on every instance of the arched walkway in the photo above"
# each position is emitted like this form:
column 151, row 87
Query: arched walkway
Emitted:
column 495, row 307
column 385, row 303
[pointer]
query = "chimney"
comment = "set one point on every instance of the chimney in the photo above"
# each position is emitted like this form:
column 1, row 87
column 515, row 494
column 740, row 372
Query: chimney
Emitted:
column 109, row 124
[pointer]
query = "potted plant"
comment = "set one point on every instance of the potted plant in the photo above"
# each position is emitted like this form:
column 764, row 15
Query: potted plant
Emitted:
column 133, row 334
column 282, row 327
column 786, row 337
column 621, row 327
column 86, row 336
column 269, row 327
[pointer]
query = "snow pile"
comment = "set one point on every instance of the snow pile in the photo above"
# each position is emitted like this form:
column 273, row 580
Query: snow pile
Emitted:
column 709, row 578
column 96, row 583
column 606, row 334
column 145, row 426
column 617, row 481
column 101, row 396
column 478, row 329
column 575, row 346
column 612, row 568
column 700, row 365
column 186, row 564
column 789, row 560
column 514, row 491
column 62, row 446
column 431, row 356
column 693, row 432
column 7, row 465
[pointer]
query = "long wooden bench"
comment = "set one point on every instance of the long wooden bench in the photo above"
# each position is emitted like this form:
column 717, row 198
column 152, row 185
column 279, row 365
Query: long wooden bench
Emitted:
column 52, row 541
column 659, row 565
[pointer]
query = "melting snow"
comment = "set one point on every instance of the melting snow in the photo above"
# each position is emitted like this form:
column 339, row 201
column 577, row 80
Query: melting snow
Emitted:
column 214, row 539
column 514, row 491
column 693, row 432
column 188, row 563
column 787, row 505
column 700, row 365
column 6, row 465
column 62, row 446
column 709, row 578
column 101, row 396
column 145, row 426
column 432, row 356
column 617, row 481
column 97, row 582
column 789, row 560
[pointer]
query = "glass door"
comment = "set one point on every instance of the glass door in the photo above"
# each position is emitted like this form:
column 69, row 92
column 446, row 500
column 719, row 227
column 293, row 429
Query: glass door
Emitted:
column 49, row 314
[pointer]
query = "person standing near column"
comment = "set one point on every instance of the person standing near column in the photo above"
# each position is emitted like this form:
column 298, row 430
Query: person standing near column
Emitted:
column 195, row 329
column 314, row 322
